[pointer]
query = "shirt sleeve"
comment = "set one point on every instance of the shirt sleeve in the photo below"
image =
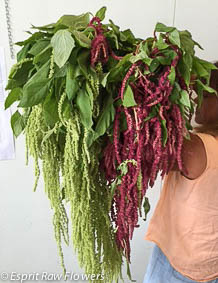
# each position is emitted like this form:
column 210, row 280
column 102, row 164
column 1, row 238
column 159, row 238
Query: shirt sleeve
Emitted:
column 211, row 147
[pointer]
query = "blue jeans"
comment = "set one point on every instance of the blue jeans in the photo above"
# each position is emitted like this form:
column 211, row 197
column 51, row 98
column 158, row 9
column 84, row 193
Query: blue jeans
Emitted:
column 159, row 270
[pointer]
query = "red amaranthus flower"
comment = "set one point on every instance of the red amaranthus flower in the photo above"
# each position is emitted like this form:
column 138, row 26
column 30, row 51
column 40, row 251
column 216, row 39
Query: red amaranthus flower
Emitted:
column 99, row 45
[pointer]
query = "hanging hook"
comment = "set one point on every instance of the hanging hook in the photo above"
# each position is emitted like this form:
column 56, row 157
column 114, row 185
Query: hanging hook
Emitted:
column 9, row 27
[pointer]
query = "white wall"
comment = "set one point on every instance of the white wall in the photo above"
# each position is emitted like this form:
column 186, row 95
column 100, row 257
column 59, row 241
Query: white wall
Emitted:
column 200, row 18
column 27, row 243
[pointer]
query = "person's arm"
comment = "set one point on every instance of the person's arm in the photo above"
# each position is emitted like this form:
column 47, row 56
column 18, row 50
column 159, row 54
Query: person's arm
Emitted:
column 193, row 156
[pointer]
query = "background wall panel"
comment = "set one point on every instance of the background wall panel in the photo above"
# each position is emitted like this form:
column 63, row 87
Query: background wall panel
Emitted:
column 200, row 18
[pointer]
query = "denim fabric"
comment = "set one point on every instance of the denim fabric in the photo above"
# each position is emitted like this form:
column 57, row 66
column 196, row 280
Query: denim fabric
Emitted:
column 159, row 270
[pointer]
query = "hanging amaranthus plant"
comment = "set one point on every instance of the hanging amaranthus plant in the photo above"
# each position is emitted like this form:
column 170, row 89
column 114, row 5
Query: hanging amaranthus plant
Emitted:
column 155, row 99
column 152, row 139
column 103, row 113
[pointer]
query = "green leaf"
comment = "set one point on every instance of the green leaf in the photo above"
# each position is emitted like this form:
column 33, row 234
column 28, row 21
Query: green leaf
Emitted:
column 90, row 93
column 17, row 123
column 83, row 61
column 123, row 167
column 163, row 28
column 47, row 28
column 146, row 207
column 185, row 67
column 41, row 74
column 134, row 58
column 91, row 137
column 128, row 100
column 39, row 46
column 199, row 46
column 20, row 72
column 48, row 134
column 154, row 65
column 164, row 132
column 14, row 70
column 23, row 52
column 114, row 27
column 74, row 22
column 62, row 43
column 116, row 73
column 185, row 100
column 209, row 89
column 207, row 65
column 50, row 109
column 182, row 109
column 32, row 38
column 188, row 59
column 60, row 72
column 140, row 56
column 82, row 39
column 127, row 36
column 114, row 185
column 12, row 84
column 172, row 75
column 199, row 68
column 13, row 96
column 161, row 44
column 199, row 91
column 143, row 47
column 101, row 13
column 84, row 105
column 185, row 70
column 167, row 56
column 114, row 38
column 206, row 87
column 174, row 38
column 34, row 93
column 43, row 56
column 19, row 75
column 104, row 79
column 152, row 114
column 124, row 60
column 67, row 109
column 174, row 96
column 187, row 44
column 129, row 272
column 106, row 117
column 72, row 85
column 59, row 86
column 148, row 62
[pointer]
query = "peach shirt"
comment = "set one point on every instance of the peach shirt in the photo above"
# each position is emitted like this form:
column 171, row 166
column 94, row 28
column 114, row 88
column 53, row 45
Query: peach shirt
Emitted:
column 185, row 221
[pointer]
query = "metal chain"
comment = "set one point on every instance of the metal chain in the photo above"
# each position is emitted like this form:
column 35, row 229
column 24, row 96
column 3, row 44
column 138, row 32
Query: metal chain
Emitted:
column 9, row 27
